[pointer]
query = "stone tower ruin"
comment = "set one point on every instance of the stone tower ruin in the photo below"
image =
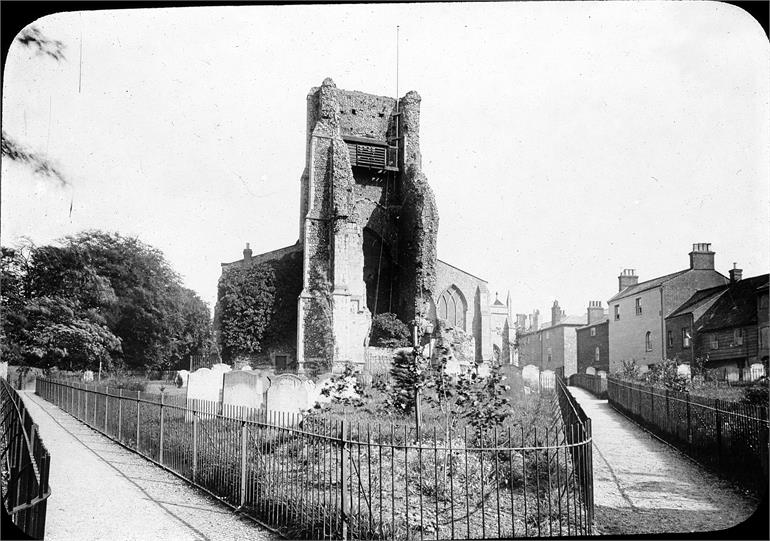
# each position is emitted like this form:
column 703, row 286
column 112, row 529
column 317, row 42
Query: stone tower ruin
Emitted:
column 368, row 221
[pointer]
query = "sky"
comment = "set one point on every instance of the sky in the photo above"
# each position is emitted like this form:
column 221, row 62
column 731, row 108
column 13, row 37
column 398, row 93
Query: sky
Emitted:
column 563, row 141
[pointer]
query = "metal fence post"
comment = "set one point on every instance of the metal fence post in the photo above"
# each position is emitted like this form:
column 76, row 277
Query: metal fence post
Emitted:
column 668, row 417
column 120, row 414
column 718, row 423
column 689, row 427
column 764, row 450
column 195, row 443
column 138, row 424
column 85, row 411
column 244, row 450
column 160, row 453
column 106, row 407
column 344, row 467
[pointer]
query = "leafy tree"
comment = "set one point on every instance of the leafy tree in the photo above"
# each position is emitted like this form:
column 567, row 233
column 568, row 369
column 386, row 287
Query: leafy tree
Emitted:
column 98, row 294
column 246, row 300
column 59, row 333
column 32, row 38
column 13, row 270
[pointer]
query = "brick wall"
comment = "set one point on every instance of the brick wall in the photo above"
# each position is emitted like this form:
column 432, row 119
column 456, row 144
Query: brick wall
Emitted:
column 587, row 344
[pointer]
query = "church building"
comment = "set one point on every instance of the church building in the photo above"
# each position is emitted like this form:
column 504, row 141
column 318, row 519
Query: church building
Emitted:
column 367, row 240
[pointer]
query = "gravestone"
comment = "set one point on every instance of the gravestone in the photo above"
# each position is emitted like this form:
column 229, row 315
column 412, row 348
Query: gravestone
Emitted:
column 288, row 396
column 602, row 374
column 683, row 370
column 756, row 370
column 205, row 384
column 732, row 373
column 243, row 388
column 88, row 376
column 4, row 370
column 483, row 370
column 591, row 371
column 531, row 376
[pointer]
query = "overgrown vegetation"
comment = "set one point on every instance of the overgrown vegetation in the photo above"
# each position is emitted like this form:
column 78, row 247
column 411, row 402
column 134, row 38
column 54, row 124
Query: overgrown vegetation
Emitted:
column 388, row 331
column 246, row 304
column 703, row 382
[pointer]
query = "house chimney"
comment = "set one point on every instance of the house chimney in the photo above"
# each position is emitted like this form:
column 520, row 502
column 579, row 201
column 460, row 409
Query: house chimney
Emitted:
column 595, row 312
column 247, row 255
column 535, row 320
column 735, row 274
column 627, row 278
column 556, row 313
column 701, row 257
column 521, row 321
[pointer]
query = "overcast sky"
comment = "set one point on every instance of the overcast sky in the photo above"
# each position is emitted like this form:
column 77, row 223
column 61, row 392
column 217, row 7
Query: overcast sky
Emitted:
column 563, row 141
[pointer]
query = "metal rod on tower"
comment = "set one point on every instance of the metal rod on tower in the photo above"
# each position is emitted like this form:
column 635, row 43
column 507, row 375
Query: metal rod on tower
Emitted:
column 397, row 39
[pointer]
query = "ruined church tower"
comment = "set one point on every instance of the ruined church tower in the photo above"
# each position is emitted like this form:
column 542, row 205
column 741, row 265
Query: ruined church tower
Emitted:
column 368, row 221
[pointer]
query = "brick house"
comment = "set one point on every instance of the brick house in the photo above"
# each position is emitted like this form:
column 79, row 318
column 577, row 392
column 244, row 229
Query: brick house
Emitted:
column 637, row 313
column 593, row 340
column 727, row 324
column 552, row 346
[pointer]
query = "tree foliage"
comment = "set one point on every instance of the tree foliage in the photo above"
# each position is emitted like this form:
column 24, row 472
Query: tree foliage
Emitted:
column 246, row 303
column 32, row 38
column 98, row 297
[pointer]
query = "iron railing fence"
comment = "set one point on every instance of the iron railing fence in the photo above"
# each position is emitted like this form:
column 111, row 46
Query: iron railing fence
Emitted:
column 24, row 465
column 592, row 383
column 728, row 437
column 320, row 478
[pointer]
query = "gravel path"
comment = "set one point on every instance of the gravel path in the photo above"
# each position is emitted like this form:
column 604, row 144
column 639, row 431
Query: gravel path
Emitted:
column 99, row 490
column 643, row 486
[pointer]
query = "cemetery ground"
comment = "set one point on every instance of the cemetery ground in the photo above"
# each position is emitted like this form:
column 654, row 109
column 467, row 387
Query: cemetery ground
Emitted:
column 642, row 485
column 102, row 491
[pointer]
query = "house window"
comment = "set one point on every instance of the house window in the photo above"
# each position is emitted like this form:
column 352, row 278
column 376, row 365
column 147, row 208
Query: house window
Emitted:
column 596, row 354
column 763, row 331
column 713, row 341
column 639, row 306
column 686, row 337
column 670, row 338
column 737, row 337
column 549, row 355
column 763, row 301
column 547, row 335
column 593, row 331
column 648, row 341
column 617, row 312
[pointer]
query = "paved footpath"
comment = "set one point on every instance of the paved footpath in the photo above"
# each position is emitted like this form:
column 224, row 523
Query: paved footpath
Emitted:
column 99, row 490
column 642, row 485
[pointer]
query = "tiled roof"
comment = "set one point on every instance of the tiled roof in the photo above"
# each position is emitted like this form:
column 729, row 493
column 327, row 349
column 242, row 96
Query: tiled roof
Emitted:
column 461, row 270
column 268, row 256
column 736, row 307
column 605, row 318
column 699, row 300
column 644, row 286
column 569, row 320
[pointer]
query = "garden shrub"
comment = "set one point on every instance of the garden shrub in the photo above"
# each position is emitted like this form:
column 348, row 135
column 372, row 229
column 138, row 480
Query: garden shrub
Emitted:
column 756, row 394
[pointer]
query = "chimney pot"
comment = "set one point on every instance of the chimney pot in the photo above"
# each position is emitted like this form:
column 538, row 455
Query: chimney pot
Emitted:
column 701, row 257
column 247, row 254
column 735, row 274
column 627, row 278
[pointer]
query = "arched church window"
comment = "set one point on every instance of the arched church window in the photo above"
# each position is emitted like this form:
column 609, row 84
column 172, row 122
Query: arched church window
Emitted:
column 452, row 307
